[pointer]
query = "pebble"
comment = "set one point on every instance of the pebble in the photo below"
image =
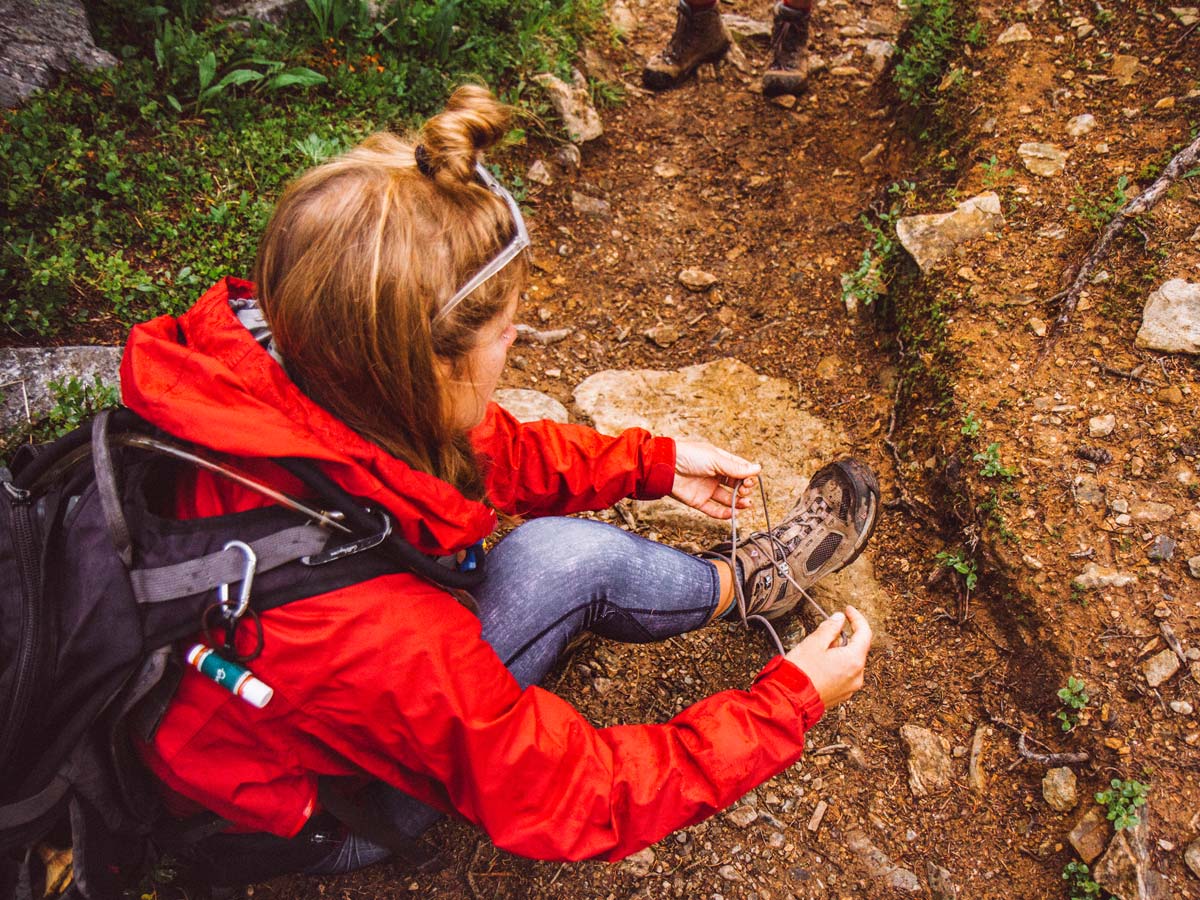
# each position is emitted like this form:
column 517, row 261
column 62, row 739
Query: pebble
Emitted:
column 1150, row 511
column 1058, row 789
column 1096, row 576
column 663, row 335
column 641, row 863
column 1090, row 834
column 1194, row 566
column 1015, row 33
column 1160, row 667
column 1046, row 160
column 1037, row 326
column 929, row 767
column 539, row 173
column 667, row 170
column 1171, row 318
column 697, row 279
column 729, row 873
column 1192, row 857
column 1120, row 506
column 1102, row 426
column 1182, row 707
column 569, row 156
column 743, row 816
column 590, row 206
column 1163, row 549
column 1081, row 125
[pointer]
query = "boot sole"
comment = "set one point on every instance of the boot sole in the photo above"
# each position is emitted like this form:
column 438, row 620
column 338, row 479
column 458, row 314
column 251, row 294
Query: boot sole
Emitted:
column 656, row 80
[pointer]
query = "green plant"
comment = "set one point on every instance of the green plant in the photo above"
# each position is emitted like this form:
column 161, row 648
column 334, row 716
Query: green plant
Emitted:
column 993, row 174
column 970, row 425
column 1100, row 212
column 933, row 32
column 870, row 280
column 1079, row 882
column 1122, row 801
column 316, row 149
column 1074, row 698
column 75, row 400
column 606, row 93
column 992, row 465
column 332, row 16
column 962, row 564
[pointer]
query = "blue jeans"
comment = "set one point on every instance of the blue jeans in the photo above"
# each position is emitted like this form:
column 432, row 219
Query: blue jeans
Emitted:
column 547, row 581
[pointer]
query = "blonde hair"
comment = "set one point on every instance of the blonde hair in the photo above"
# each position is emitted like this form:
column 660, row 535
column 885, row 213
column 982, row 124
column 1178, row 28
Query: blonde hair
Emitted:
column 359, row 257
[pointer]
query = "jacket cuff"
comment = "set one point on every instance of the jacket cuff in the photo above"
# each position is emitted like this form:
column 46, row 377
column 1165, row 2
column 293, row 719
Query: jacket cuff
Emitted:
column 659, row 469
column 789, row 676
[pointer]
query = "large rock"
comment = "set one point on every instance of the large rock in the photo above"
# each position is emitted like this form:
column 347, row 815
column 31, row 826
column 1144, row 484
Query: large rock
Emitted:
column 41, row 39
column 1171, row 318
column 531, row 406
column 26, row 373
column 933, row 237
column 573, row 105
column 1124, row 870
column 928, row 760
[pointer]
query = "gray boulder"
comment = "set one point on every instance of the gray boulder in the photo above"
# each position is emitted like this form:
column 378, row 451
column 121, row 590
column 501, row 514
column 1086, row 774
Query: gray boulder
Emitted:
column 1171, row 318
column 26, row 373
column 39, row 41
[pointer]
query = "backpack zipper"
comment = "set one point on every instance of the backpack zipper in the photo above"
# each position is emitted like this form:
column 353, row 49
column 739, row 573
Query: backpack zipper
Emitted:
column 28, row 563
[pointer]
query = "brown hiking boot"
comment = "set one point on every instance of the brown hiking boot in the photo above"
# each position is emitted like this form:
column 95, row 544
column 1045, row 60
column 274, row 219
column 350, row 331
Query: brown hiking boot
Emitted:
column 700, row 37
column 788, row 71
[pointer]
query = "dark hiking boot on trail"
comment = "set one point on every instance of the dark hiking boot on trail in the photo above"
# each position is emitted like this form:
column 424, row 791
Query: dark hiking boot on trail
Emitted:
column 825, row 531
column 700, row 37
column 788, row 71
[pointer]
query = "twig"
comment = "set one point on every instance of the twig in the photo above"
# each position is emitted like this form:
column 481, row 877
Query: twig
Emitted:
column 1187, row 34
column 1172, row 641
column 829, row 749
column 470, row 870
column 904, row 501
column 1139, row 205
column 1129, row 376
column 1050, row 760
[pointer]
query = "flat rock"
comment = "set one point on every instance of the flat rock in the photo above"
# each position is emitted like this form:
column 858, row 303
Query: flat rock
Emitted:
column 573, row 105
column 1095, row 576
column 928, row 760
column 1015, row 33
column 941, row 882
column 1124, row 68
column 932, row 237
column 1191, row 856
column 1187, row 15
column 1089, row 837
column 1102, row 426
column 1194, row 566
column 1125, row 869
column 1046, row 160
column 745, row 28
column 1160, row 667
column 1171, row 318
column 40, row 41
column 531, row 406
column 697, row 279
column 1058, row 789
column 26, row 373
column 742, row 816
column 1150, row 511
column 880, row 866
column 592, row 207
column 1081, row 125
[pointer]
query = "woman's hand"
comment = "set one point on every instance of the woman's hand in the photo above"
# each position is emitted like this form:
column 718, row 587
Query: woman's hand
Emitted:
column 836, row 670
column 705, row 475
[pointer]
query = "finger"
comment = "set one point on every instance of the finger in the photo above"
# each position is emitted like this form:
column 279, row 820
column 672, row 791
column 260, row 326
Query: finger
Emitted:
column 861, row 640
column 714, row 509
column 729, row 464
column 829, row 633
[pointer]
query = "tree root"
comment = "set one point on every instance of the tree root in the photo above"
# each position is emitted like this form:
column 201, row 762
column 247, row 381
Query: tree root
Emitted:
column 1138, row 206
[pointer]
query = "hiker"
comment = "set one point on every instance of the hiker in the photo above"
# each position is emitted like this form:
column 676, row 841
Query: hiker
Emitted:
column 372, row 340
column 701, row 37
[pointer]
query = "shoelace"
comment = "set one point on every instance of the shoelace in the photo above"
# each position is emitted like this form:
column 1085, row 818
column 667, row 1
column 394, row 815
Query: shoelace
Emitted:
column 781, row 567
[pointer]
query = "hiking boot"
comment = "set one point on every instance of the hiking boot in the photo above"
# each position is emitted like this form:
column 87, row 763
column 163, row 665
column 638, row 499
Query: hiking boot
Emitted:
column 825, row 531
column 788, row 71
column 700, row 37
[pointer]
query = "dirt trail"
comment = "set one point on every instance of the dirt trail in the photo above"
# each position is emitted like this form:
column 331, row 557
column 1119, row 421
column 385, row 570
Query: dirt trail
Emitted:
column 711, row 176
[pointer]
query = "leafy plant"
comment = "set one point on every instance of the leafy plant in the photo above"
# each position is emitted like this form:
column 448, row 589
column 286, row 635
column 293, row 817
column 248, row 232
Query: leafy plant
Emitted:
column 934, row 31
column 332, row 16
column 993, row 174
column 970, row 425
column 316, row 149
column 869, row 281
column 1074, row 698
column 75, row 400
column 1122, row 801
column 962, row 564
column 1079, row 882
column 992, row 465
column 1100, row 212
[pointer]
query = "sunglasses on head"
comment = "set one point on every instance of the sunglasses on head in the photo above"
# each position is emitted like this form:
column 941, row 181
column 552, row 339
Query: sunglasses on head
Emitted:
column 519, row 242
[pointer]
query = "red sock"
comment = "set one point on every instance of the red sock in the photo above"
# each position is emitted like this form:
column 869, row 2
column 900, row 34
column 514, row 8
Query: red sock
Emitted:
column 805, row 5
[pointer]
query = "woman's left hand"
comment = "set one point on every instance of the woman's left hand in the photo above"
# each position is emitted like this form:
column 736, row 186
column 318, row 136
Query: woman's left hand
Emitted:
column 705, row 477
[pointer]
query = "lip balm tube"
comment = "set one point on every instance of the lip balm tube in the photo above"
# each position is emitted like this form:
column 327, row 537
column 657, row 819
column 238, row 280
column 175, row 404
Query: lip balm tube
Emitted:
column 236, row 679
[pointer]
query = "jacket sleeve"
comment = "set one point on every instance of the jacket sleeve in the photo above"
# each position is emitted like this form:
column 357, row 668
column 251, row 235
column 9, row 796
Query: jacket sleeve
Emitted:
column 547, row 468
column 439, row 707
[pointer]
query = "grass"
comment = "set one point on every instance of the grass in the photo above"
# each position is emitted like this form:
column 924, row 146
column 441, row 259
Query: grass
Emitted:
column 130, row 189
column 937, row 31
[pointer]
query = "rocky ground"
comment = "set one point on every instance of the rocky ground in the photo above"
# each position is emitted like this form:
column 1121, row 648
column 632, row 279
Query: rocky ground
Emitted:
column 709, row 224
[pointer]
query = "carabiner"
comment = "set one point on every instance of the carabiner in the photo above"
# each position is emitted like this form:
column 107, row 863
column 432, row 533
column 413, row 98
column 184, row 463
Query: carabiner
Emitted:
column 233, row 613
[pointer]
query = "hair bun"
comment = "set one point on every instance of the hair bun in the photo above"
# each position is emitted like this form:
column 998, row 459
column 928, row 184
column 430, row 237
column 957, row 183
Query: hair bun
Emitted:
column 473, row 121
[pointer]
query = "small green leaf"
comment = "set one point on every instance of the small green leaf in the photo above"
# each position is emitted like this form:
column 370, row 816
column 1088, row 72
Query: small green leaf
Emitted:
column 297, row 76
column 207, row 67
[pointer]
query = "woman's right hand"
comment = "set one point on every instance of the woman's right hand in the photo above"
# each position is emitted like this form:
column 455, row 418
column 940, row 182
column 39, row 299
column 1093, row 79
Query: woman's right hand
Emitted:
column 836, row 670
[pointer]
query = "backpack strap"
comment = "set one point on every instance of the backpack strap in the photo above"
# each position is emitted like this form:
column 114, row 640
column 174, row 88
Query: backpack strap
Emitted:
column 108, row 489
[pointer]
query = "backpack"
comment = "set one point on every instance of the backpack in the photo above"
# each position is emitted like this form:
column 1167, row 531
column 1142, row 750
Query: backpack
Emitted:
column 97, row 586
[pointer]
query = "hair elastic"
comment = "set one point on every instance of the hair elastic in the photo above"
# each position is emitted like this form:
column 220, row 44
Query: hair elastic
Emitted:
column 422, row 157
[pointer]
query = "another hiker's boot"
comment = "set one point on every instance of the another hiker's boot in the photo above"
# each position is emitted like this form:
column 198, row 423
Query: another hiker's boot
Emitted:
column 826, row 530
column 788, row 71
column 700, row 37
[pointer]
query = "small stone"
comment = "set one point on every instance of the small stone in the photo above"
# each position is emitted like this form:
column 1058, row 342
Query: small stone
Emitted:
column 814, row 821
column 1163, row 549
column 776, row 840
column 539, row 173
column 573, row 104
column 1172, row 395
column 1096, row 576
column 1125, row 869
column 1120, row 506
column 1194, row 566
column 1182, row 707
column 743, row 816
column 1046, row 160
column 602, row 685
column 1088, row 490
column 569, row 157
column 1124, row 68
column 880, row 866
column 623, row 19
column 1165, row 103
column 930, row 238
column 1187, row 16
column 1090, row 835
column 786, row 101
column 1171, row 319
column 641, row 863
column 1058, row 789
column 941, row 883
column 593, row 207
column 1150, row 511
column 729, row 873
column 830, row 367
column 1102, row 426
column 1081, row 125
column 531, row 406
column 928, row 760
column 1160, row 667
column 1191, row 856
column 667, row 170
column 663, row 335
column 697, row 279
column 1037, row 326
column 1015, row 33
column 879, row 52
column 746, row 28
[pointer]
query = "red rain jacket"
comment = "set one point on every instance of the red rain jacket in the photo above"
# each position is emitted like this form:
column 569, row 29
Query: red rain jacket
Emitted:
column 389, row 678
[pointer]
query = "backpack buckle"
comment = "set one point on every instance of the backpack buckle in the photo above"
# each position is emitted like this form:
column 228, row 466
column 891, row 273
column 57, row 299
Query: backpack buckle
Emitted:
column 231, row 612
column 365, row 543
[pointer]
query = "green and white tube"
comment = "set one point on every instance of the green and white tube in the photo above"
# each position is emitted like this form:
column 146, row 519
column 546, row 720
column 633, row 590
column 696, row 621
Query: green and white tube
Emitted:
column 236, row 679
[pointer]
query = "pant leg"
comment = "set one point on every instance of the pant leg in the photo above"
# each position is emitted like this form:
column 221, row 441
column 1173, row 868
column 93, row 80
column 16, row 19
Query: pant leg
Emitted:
column 547, row 581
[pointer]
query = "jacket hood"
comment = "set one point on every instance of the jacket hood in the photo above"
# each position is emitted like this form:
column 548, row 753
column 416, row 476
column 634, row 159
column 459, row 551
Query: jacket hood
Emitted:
column 203, row 377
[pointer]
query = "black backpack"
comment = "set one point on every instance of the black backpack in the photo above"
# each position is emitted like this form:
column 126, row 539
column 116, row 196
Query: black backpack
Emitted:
column 97, row 585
